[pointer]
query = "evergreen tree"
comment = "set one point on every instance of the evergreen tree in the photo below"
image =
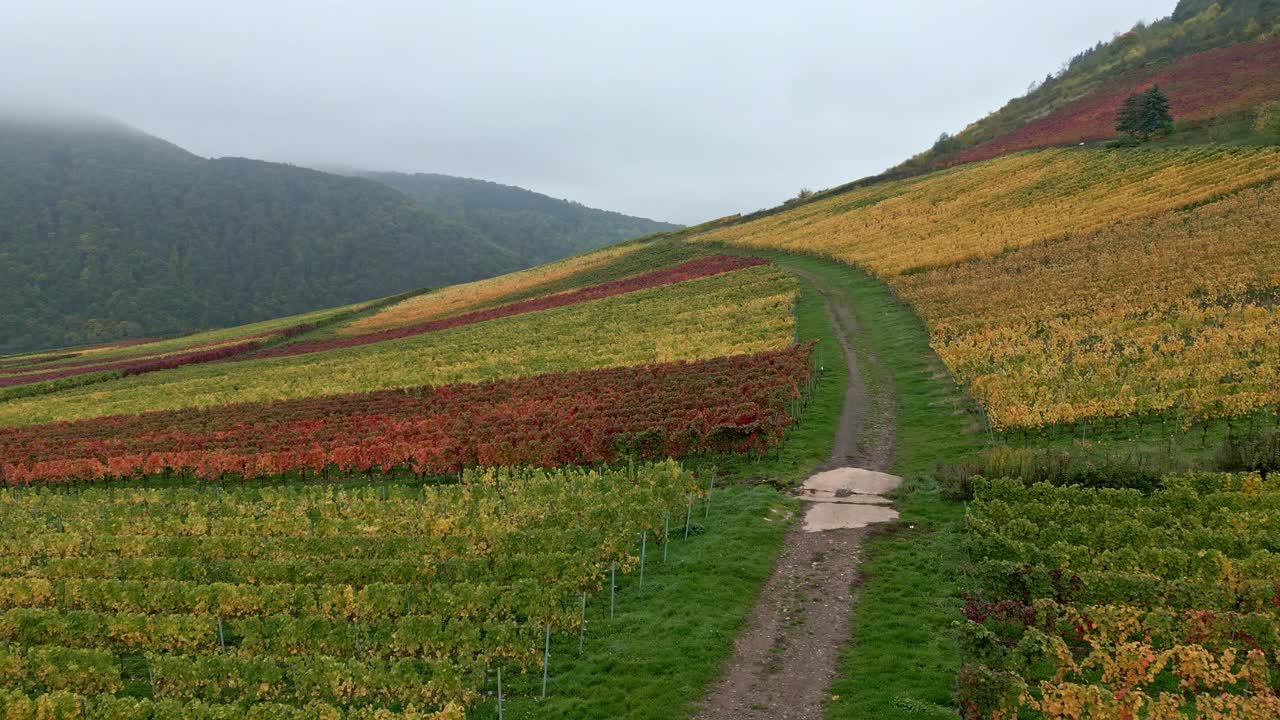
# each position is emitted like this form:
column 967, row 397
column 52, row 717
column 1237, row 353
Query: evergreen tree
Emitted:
column 1129, row 117
column 1143, row 115
column 1155, row 113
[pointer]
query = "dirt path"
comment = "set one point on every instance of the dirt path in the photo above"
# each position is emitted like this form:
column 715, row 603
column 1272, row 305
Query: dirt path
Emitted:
column 785, row 659
column 864, row 437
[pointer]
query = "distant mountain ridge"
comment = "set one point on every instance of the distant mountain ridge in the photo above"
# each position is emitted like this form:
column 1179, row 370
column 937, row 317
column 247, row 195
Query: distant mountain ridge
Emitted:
column 529, row 223
column 108, row 233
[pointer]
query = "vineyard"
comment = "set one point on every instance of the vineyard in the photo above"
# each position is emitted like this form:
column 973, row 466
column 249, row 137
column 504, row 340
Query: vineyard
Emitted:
column 734, row 404
column 37, row 373
column 482, row 294
column 1108, row 604
column 1176, row 315
column 982, row 210
column 1145, row 281
column 383, row 521
column 742, row 312
column 309, row 601
column 1201, row 87
column 691, row 270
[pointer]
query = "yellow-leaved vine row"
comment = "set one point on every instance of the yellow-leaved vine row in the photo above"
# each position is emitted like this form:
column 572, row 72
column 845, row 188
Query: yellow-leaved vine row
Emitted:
column 494, row 563
column 456, row 299
column 1065, row 285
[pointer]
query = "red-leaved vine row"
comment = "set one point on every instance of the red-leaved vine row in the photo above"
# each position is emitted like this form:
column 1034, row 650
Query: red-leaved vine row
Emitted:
column 731, row 404
column 137, row 366
column 692, row 270
column 1200, row 87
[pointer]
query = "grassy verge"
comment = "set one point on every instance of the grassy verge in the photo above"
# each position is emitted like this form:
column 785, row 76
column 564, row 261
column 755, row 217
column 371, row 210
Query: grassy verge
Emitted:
column 666, row 642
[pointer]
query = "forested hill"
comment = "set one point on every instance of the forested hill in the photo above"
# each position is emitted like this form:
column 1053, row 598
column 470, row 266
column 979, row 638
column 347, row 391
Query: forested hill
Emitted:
column 530, row 224
column 108, row 233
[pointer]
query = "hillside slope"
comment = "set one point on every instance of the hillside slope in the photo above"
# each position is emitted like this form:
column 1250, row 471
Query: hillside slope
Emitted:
column 535, row 226
column 1219, row 62
column 1067, row 285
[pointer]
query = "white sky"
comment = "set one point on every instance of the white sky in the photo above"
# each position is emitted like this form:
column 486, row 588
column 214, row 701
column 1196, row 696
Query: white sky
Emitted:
column 676, row 110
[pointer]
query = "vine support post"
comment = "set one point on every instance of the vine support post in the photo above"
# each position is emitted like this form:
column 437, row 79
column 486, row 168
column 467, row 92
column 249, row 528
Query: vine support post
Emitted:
column 644, row 542
column 499, row 692
column 613, row 586
column 688, row 515
column 546, row 661
column 222, row 638
column 666, row 536
column 582, row 623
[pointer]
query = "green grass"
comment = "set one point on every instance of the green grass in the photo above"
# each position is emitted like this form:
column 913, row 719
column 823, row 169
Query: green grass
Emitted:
column 901, row 661
column 1234, row 129
column 667, row 641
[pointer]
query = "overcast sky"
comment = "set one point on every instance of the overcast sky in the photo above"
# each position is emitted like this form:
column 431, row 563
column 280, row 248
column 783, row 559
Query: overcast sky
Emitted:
column 680, row 110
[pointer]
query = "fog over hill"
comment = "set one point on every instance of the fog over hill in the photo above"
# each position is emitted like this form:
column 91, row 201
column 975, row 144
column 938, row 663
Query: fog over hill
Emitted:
column 110, row 233
column 671, row 110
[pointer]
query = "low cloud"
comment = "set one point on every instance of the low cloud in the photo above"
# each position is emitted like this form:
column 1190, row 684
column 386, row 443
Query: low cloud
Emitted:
column 673, row 110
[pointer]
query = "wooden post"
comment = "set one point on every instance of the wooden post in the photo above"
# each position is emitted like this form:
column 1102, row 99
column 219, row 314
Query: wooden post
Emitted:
column 546, row 661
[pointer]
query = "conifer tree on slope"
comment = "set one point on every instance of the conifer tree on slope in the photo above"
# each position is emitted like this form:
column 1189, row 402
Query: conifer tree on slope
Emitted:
column 1144, row 114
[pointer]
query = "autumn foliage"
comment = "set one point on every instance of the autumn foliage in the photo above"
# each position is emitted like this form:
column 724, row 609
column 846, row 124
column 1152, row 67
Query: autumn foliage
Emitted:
column 731, row 404
column 1102, row 604
column 702, row 267
column 1064, row 285
column 1200, row 87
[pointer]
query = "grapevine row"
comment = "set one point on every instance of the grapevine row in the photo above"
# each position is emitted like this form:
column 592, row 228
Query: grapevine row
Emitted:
column 1109, row 603
column 732, row 404
column 699, row 268
column 745, row 312
column 488, row 566
column 17, row 705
